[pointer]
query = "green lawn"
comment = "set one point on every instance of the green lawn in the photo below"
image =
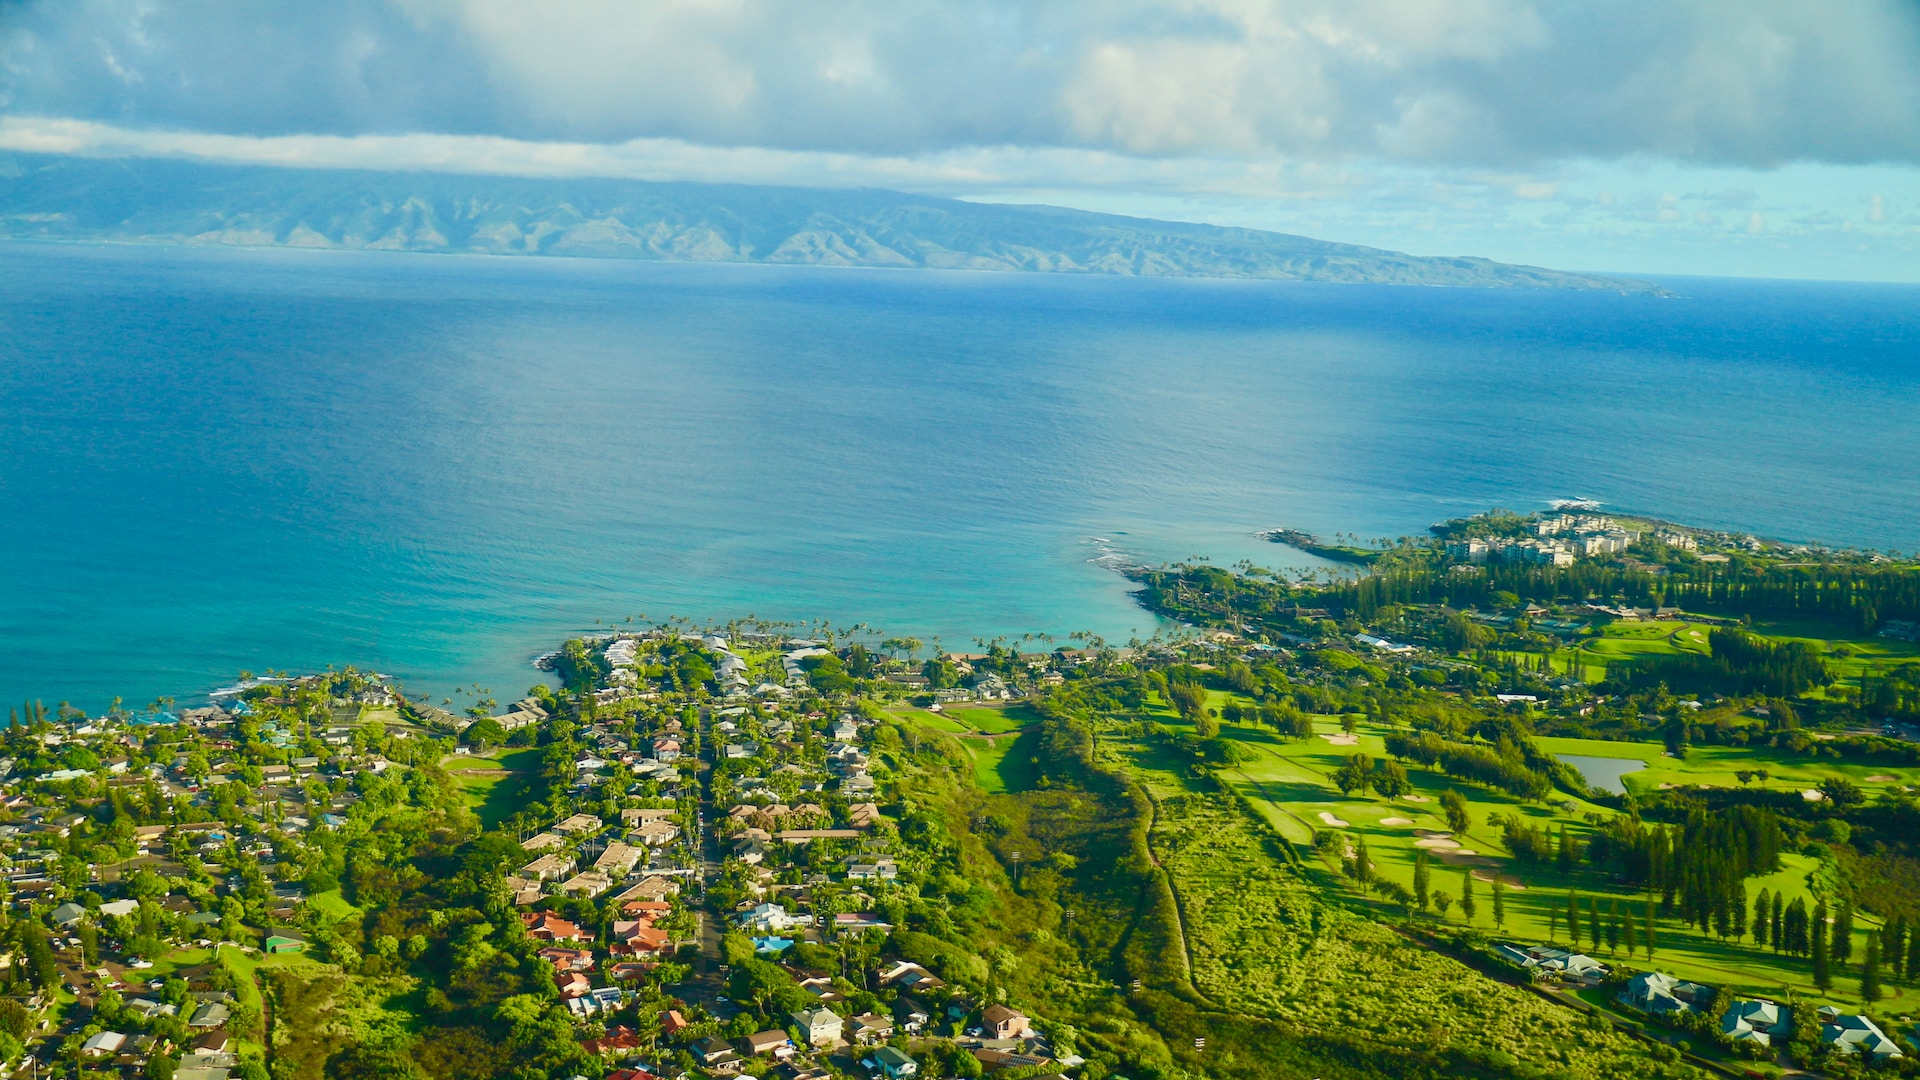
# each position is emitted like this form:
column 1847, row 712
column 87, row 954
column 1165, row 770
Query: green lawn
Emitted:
column 935, row 721
column 1001, row 762
column 1005, row 763
column 333, row 905
column 993, row 719
column 494, row 782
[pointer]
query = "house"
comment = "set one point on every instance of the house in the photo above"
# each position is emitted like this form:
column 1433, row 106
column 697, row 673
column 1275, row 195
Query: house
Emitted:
column 103, row 1044
column 912, row 1015
column 1853, row 1034
column 567, row 959
column 548, row 867
column 617, row 1042
column 1558, row 963
column 546, row 926
column 888, row 1062
column 1755, row 1021
column 579, row 825
column 213, row 1042
column 544, row 841
column 653, row 888
column 869, row 1028
column 655, row 834
column 120, row 908
column 712, row 1051
column 1001, row 1022
column 770, row 918
column 1659, row 993
column 637, row 937
column 822, row 1026
column 909, row 976
column 587, row 883
column 773, row 1042
column 211, row 1014
column 67, row 914
column 853, row 922
column 572, row 984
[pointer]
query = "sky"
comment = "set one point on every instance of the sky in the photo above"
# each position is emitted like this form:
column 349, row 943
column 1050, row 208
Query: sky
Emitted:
column 1774, row 138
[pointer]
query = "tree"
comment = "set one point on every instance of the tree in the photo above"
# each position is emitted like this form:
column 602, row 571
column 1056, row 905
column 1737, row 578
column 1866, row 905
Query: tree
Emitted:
column 1593, row 923
column 1629, row 937
column 1870, row 973
column 1841, row 793
column 1442, row 901
column 1647, row 931
column 1499, row 902
column 1776, row 927
column 1822, row 977
column 1421, row 878
column 1467, row 904
column 1356, row 773
column 1362, row 862
column 1390, row 779
column 42, row 967
column 1762, row 905
column 1454, row 806
column 1573, row 919
column 1842, row 949
column 1564, row 856
column 1893, row 950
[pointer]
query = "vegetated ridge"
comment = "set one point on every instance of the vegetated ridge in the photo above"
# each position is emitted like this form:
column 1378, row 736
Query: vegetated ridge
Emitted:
column 165, row 201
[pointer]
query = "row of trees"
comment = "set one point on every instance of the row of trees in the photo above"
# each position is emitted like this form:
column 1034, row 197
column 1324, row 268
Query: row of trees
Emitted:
column 1502, row 766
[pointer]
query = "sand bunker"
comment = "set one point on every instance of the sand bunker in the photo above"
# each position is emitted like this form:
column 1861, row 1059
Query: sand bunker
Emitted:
column 1881, row 778
column 1436, row 843
column 1396, row 821
column 1342, row 739
column 1416, row 798
column 1811, row 795
column 1506, row 880
column 1331, row 820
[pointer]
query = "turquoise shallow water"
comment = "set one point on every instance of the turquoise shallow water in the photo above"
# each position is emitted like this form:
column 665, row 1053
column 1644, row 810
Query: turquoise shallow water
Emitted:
column 222, row 460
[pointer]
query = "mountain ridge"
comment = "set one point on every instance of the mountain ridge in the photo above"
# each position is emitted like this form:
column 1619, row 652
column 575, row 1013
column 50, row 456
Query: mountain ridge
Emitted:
column 174, row 201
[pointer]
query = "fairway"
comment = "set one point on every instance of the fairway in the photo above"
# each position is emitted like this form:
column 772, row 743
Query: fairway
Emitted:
column 1288, row 783
column 1003, row 758
column 1719, row 766
column 495, row 782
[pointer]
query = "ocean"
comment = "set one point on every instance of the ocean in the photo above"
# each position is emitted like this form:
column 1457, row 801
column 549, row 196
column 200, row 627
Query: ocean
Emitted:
column 215, row 461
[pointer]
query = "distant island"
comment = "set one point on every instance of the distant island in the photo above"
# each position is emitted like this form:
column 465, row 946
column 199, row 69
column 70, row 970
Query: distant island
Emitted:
column 180, row 202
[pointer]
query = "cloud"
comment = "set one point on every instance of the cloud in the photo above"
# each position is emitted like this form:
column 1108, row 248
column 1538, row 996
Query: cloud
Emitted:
column 1501, row 83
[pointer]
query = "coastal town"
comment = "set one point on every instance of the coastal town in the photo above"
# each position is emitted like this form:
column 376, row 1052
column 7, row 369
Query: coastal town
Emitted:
column 745, row 851
column 716, row 899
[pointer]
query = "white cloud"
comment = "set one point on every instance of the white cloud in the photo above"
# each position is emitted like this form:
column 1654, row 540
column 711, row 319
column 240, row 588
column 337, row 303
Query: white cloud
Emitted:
column 1490, row 82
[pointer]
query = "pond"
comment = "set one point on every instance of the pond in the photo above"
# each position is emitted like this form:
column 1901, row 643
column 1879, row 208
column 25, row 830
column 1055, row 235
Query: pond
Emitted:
column 1603, row 773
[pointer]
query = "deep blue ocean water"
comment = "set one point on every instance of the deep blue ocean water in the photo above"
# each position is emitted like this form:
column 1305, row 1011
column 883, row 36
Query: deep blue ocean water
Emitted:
column 216, row 460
